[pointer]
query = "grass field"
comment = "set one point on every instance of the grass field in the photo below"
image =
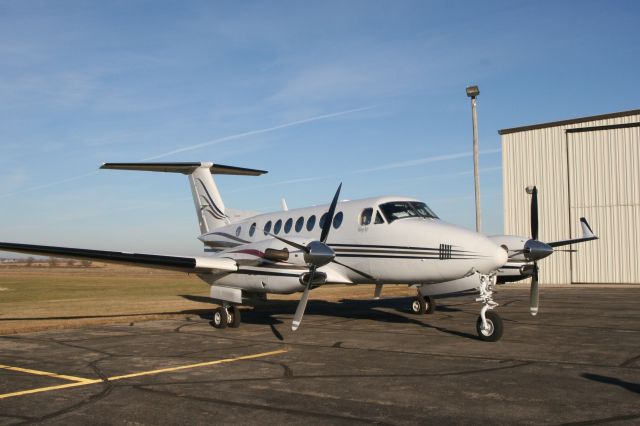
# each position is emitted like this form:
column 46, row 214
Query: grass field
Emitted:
column 39, row 298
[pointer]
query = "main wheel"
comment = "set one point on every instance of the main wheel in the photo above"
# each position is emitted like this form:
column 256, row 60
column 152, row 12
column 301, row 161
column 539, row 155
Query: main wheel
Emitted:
column 493, row 333
column 220, row 318
column 431, row 305
column 419, row 306
column 234, row 317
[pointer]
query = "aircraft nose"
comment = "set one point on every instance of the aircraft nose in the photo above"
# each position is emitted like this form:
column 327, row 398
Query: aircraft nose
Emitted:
column 494, row 256
column 501, row 256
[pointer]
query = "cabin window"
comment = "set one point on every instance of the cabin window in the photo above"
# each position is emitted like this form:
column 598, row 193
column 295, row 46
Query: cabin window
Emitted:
column 252, row 230
column 299, row 224
column 322, row 219
column 365, row 216
column 277, row 226
column 267, row 227
column 337, row 220
column 287, row 225
column 311, row 223
column 238, row 231
column 379, row 218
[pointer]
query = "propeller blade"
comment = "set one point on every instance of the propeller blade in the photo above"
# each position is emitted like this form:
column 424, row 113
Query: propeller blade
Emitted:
column 291, row 243
column 534, row 213
column 302, row 304
column 364, row 274
column 326, row 226
column 533, row 297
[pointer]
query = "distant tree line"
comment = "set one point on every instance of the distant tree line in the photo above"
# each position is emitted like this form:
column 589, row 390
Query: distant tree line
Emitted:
column 54, row 262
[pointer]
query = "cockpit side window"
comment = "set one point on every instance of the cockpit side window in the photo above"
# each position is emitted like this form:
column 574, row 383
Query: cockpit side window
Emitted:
column 365, row 216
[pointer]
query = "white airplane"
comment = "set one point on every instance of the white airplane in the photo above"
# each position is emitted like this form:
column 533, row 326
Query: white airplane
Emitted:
column 524, row 253
column 378, row 240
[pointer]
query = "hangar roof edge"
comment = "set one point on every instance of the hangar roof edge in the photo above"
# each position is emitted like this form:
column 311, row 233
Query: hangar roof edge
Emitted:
column 567, row 122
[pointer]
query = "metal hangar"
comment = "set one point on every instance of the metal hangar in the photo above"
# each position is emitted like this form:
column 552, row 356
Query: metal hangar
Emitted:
column 584, row 167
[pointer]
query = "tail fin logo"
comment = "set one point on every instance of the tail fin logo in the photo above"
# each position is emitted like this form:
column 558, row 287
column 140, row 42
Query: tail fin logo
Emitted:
column 207, row 203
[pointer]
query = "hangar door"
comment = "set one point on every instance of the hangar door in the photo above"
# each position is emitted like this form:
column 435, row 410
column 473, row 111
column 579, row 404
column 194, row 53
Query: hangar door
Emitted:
column 604, row 187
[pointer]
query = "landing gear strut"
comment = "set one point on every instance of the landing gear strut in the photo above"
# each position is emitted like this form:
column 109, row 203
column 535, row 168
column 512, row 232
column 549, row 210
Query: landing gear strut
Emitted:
column 226, row 316
column 423, row 305
column 489, row 323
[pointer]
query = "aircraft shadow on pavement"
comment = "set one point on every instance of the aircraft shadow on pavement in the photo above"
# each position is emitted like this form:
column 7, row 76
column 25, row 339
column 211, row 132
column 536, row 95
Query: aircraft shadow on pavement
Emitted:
column 267, row 313
column 633, row 387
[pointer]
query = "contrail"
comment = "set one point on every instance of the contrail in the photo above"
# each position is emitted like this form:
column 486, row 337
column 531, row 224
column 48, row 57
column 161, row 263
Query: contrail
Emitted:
column 421, row 161
column 257, row 132
column 209, row 143
column 48, row 185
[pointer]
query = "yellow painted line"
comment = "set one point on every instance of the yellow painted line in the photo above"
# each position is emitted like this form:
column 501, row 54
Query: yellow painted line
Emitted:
column 202, row 364
column 49, row 388
column 78, row 381
column 44, row 373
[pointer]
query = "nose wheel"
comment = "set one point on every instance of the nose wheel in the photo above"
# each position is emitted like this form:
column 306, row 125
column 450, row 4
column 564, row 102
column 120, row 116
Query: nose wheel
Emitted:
column 492, row 331
column 423, row 305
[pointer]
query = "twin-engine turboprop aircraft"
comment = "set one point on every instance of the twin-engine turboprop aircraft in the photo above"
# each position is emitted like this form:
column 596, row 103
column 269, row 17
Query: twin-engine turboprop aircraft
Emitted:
column 379, row 240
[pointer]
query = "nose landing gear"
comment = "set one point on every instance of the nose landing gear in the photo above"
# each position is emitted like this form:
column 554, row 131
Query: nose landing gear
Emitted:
column 489, row 323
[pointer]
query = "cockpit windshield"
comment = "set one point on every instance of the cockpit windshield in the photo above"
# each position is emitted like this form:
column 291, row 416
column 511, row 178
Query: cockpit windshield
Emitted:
column 404, row 209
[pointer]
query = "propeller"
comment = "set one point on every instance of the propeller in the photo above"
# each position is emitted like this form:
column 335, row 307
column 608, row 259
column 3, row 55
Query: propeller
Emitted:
column 317, row 254
column 535, row 250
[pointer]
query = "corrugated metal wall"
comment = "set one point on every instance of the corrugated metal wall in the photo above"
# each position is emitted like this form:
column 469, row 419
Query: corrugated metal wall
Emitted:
column 540, row 157
column 604, row 186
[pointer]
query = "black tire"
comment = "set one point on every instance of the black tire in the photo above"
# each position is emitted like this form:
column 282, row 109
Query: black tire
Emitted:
column 220, row 318
column 495, row 327
column 418, row 306
column 234, row 317
column 431, row 305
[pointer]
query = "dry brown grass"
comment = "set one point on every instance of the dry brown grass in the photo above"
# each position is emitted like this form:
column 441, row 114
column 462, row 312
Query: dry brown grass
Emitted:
column 41, row 298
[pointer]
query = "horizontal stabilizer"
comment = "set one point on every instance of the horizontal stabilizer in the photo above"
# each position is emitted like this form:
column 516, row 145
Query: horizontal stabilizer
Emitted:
column 174, row 263
column 587, row 235
column 184, row 168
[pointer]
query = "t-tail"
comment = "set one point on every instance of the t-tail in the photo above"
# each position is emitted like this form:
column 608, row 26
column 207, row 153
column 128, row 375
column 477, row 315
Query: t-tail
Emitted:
column 206, row 197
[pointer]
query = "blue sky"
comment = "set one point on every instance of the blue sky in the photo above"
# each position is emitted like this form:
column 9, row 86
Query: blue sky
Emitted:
column 369, row 93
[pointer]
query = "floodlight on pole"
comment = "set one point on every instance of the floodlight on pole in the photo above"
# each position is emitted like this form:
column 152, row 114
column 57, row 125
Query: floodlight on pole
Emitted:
column 473, row 92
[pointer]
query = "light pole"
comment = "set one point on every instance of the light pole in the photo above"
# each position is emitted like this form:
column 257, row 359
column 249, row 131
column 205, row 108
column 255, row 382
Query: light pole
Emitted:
column 473, row 92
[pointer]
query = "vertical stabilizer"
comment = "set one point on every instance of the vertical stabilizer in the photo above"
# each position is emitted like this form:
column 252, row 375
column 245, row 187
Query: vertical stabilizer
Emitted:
column 206, row 197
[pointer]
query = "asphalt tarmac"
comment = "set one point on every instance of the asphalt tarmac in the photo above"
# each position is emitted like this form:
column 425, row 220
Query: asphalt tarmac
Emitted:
column 577, row 362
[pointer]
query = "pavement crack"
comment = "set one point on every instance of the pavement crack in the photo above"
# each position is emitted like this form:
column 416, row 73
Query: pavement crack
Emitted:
column 303, row 413
column 106, row 390
column 630, row 361
column 603, row 420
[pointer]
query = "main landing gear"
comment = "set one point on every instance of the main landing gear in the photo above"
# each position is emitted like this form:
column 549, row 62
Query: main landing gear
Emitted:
column 226, row 316
column 489, row 323
column 423, row 305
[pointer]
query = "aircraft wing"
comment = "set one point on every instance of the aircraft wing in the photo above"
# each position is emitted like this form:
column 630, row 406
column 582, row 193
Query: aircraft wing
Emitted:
column 199, row 264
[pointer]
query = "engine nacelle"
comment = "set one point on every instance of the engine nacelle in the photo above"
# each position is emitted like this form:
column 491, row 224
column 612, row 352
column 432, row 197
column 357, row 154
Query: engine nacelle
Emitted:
column 270, row 250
